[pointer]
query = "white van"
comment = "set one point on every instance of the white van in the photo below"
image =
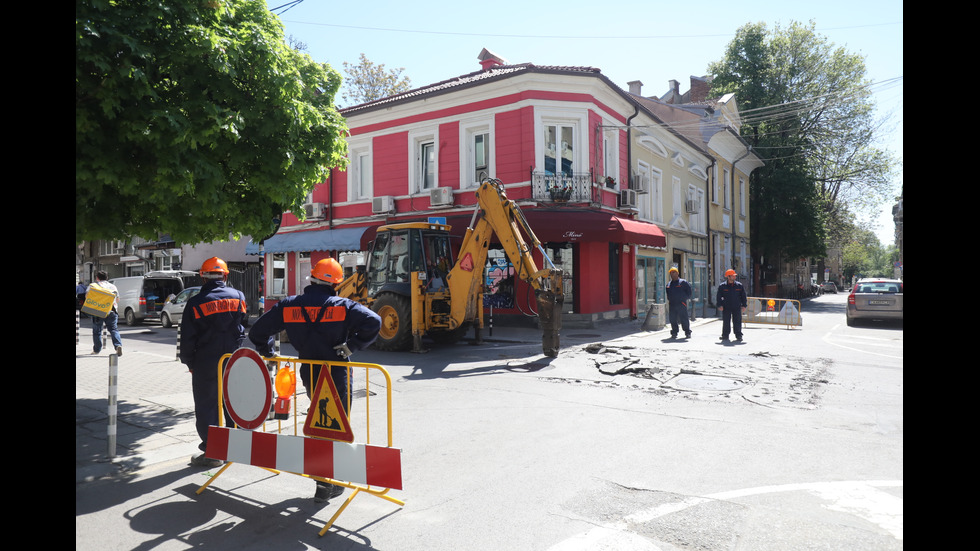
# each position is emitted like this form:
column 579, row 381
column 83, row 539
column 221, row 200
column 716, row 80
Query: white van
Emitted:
column 142, row 297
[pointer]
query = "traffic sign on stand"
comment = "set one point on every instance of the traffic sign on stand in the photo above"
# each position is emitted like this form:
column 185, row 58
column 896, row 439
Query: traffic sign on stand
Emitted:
column 327, row 418
column 247, row 389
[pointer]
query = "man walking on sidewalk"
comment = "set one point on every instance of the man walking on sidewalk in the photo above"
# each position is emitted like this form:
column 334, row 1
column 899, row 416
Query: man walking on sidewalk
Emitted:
column 111, row 320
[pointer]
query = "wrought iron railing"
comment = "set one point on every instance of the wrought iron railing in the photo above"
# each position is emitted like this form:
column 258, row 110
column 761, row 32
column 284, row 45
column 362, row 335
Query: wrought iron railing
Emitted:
column 562, row 188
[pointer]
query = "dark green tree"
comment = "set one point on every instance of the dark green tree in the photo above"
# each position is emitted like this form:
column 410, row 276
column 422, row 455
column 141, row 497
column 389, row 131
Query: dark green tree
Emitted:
column 807, row 111
column 195, row 119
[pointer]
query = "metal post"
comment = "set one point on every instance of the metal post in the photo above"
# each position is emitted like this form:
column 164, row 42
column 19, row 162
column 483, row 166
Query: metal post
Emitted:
column 178, row 343
column 113, row 375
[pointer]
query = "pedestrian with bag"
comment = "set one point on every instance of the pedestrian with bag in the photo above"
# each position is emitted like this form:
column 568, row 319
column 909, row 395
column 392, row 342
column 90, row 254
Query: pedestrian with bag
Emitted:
column 213, row 325
column 111, row 320
column 320, row 326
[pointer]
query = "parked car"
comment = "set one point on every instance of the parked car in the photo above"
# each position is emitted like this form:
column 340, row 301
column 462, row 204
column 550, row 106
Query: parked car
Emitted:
column 142, row 297
column 828, row 287
column 876, row 299
column 173, row 308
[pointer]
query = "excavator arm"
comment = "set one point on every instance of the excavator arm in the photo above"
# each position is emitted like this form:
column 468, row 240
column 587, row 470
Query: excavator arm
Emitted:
column 495, row 213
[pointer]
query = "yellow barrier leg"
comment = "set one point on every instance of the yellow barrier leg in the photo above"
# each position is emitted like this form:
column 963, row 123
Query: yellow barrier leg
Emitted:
column 341, row 510
column 208, row 483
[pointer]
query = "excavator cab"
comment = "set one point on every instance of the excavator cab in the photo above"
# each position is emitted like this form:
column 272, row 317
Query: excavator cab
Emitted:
column 402, row 249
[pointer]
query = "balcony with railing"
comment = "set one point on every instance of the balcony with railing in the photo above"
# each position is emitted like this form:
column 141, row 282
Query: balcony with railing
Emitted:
column 575, row 187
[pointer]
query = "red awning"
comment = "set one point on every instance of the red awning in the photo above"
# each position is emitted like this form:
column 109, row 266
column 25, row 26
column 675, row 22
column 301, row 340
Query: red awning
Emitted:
column 575, row 226
column 568, row 226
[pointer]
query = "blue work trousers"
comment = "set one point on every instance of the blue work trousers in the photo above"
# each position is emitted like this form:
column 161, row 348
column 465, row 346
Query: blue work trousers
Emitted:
column 112, row 326
column 678, row 315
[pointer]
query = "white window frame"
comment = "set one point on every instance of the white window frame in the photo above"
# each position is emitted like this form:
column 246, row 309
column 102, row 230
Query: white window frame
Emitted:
column 361, row 175
column 467, row 135
column 610, row 156
column 726, row 189
column 417, row 140
column 559, row 118
column 741, row 196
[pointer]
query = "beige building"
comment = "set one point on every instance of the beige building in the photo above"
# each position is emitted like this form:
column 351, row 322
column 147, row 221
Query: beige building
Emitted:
column 725, row 161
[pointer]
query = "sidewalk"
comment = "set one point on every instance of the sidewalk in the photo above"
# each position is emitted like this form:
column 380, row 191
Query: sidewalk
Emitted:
column 155, row 419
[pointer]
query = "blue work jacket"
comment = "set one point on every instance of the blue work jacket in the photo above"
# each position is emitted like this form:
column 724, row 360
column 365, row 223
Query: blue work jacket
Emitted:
column 212, row 325
column 678, row 291
column 315, row 322
column 732, row 295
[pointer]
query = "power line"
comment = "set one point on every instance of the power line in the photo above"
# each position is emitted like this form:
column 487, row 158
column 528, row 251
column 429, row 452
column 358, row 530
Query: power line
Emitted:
column 550, row 37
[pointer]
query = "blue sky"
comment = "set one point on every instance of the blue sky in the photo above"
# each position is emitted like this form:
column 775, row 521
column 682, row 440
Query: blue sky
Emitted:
column 437, row 40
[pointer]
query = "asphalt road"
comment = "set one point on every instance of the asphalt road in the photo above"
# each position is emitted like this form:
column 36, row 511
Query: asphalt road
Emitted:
column 628, row 440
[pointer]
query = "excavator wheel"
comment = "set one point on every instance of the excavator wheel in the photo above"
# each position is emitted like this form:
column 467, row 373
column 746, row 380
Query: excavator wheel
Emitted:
column 396, row 322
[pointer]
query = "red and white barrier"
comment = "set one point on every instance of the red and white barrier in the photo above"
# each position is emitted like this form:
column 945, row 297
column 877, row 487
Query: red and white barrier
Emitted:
column 347, row 462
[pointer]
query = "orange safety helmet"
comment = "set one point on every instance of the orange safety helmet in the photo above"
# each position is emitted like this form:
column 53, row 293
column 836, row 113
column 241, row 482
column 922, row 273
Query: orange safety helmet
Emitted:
column 731, row 273
column 214, row 268
column 328, row 270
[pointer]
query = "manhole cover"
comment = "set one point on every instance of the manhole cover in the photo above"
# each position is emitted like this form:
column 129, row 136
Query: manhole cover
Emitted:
column 707, row 382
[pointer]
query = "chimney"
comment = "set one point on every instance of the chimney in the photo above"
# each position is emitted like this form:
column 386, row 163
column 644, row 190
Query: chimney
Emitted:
column 699, row 89
column 675, row 91
column 635, row 87
column 489, row 59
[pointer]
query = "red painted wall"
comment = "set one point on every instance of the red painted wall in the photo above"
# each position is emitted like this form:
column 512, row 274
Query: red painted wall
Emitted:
column 449, row 155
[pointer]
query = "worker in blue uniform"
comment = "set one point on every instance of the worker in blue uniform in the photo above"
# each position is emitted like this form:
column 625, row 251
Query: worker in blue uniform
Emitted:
column 213, row 325
column 731, row 302
column 320, row 326
column 679, row 293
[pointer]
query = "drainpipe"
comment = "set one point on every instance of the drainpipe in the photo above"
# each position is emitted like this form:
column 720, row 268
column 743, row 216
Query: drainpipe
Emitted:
column 707, row 230
column 629, row 171
column 330, row 199
column 748, row 151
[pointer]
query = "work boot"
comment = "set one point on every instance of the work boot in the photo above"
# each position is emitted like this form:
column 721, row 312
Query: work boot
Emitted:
column 326, row 492
column 201, row 460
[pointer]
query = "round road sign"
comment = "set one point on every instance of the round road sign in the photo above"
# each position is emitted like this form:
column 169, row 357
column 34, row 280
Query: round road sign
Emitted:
column 247, row 389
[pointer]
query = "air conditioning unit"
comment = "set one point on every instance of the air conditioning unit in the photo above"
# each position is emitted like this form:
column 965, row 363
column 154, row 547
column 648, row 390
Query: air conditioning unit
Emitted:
column 641, row 184
column 315, row 210
column 627, row 199
column 691, row 206
column 441, row 196
column 383, row 204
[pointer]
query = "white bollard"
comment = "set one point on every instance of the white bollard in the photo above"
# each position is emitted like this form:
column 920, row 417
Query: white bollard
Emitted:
column 113, row 375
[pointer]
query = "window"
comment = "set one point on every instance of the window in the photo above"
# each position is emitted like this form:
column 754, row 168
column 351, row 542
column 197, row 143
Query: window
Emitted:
column 278, row 274
column 361, row 186
column 476, row 147
column 481, row 157
column 741, row 196
column 428, row 164
column 559, row 146
column 726, row 200
column 424, row 157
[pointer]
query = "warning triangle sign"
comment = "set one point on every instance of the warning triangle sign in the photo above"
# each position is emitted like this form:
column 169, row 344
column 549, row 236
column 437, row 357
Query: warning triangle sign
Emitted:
column 327, row 418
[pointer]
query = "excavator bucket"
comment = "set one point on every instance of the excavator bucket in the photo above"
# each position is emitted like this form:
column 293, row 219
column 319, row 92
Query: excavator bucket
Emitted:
column 549, row 315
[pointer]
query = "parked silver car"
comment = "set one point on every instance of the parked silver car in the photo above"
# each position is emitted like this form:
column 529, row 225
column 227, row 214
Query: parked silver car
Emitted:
column 828, row 287
column 173, row 308
column 876, row 299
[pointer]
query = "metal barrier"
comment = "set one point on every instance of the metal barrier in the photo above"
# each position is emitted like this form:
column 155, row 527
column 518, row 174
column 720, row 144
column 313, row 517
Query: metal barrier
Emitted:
column 773, row 311
column 369, row 468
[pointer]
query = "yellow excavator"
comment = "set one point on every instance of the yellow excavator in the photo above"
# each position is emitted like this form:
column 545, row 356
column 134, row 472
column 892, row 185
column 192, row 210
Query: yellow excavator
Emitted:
column 413, row 282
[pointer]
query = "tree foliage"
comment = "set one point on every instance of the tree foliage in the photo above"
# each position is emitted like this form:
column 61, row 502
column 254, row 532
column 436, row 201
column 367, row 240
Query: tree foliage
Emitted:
column 808, row 113
column 367, row 81
column 195, row 119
